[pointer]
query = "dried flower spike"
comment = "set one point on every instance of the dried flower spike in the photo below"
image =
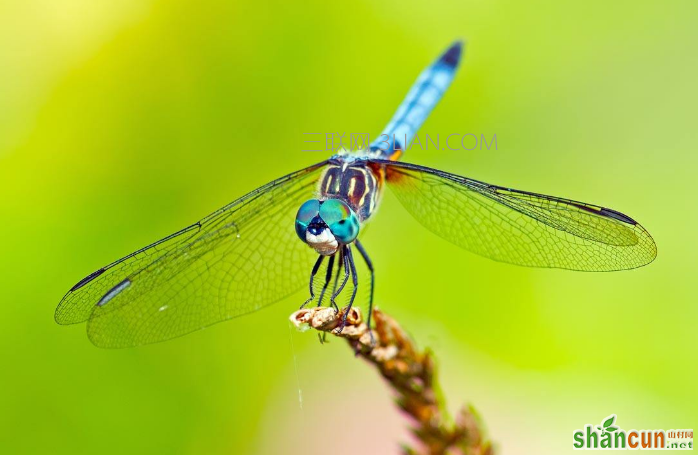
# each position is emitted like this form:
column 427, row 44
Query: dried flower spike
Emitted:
column 412, row 376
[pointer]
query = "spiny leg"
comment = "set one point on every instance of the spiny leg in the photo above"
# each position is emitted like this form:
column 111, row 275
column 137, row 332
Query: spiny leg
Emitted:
column 349, row 261
column 316, row 267
column 345, row 260
column 340, row 265
column 369, row 264
column 328, row 277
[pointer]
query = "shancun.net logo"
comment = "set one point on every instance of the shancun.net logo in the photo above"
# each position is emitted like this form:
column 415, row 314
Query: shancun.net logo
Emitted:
column 607, row 436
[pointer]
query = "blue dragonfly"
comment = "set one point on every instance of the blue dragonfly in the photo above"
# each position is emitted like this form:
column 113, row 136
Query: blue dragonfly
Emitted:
column 248, row 255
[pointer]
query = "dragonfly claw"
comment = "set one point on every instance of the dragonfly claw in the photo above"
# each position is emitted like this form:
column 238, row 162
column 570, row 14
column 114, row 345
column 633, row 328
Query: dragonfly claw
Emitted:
column 343, row 322
column 373, row 339
column 340, row 327
column 307, row 302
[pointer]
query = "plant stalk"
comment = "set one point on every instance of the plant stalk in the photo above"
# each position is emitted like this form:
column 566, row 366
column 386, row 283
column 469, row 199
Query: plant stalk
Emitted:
column 411, row 374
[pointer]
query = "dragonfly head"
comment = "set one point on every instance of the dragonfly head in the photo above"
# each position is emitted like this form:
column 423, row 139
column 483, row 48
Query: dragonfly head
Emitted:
column 325, row 225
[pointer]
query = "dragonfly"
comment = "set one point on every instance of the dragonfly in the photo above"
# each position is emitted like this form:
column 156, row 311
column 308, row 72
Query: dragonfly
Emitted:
column 258, row 249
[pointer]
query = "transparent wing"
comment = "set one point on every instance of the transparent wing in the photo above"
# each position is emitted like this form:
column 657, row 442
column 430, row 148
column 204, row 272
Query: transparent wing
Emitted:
column 519, row 227
column 233, row 262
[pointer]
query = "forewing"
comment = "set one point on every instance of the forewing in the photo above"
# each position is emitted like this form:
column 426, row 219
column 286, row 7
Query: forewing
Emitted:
column 519, row 227
column 233, row 262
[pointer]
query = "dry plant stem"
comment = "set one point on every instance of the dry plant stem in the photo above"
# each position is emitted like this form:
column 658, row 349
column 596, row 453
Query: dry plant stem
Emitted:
column 411, row 374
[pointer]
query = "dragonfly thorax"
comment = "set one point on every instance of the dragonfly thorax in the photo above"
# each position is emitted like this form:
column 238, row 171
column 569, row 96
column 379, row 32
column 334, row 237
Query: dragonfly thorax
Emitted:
column 354, row 182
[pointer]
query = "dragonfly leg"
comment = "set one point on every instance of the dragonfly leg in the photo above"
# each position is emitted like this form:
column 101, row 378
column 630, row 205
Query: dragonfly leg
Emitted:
column 349, row 260
column 316, row 267
column 369, row 264
column 328, row 278
column 340, row 265
column 345, row 259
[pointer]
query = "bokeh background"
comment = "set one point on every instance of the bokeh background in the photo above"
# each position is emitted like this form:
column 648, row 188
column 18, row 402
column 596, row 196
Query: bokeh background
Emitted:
column 122, row 121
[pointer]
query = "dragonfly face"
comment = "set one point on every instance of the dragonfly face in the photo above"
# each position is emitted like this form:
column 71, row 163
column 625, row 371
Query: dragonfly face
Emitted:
column 325, row 225
column 245, row 256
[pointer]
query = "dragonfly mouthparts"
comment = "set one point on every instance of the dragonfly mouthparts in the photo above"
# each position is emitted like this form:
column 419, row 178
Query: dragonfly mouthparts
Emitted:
column 322, row 240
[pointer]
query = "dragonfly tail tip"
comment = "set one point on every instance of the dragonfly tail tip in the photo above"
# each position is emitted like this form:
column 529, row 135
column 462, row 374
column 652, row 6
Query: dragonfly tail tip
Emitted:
column 453, row 54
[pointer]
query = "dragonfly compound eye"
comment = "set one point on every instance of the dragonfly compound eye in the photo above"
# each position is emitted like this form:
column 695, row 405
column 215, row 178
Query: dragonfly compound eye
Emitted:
column 309, row 210
column 341, row 219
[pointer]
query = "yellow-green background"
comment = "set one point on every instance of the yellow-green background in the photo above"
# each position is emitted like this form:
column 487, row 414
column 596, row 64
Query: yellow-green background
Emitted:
column 122, row 121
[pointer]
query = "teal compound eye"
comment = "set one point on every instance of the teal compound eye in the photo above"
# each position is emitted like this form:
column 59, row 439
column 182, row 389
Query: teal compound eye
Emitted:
column 306, row 213
column 341, row 219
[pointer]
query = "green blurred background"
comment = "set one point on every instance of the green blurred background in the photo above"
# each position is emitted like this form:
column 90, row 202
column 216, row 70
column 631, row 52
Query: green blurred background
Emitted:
column 123, row 121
